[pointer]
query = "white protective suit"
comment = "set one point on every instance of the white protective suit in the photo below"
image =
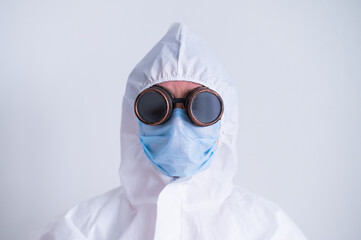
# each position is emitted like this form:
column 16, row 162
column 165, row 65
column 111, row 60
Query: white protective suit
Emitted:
column 151, row 205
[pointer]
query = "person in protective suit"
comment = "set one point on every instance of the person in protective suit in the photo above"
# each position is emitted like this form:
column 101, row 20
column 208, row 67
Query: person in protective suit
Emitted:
column 178, row 158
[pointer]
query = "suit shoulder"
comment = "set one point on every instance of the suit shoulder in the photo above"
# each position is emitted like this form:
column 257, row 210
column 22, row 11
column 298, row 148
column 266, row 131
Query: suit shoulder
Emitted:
column 78, row 220
column 264, row 215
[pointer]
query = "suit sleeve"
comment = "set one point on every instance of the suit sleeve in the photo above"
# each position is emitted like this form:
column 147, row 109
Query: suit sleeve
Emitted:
column 287, row 229
column 61, row 229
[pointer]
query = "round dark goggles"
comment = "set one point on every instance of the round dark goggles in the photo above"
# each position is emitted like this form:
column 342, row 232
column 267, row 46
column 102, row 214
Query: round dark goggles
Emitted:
column 154, row 106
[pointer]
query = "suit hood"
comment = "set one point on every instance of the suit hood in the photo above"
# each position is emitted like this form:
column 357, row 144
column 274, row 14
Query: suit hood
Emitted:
column 180, row 55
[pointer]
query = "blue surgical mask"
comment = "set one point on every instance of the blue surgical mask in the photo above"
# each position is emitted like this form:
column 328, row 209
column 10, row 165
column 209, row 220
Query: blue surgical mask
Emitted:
column 177, row 147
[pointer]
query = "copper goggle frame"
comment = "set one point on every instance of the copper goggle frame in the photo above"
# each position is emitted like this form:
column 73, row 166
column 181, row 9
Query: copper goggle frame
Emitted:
column 187, row 102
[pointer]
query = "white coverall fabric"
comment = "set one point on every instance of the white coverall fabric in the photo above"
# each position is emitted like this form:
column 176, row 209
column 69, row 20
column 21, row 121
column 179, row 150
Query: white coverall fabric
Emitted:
column 151, row 205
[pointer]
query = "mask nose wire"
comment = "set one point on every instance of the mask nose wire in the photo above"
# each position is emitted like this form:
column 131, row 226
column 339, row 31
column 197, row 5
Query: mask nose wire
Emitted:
column 178, row 122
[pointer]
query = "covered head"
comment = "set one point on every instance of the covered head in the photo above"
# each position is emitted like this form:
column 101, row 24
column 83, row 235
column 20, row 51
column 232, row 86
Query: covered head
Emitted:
column 179, row 56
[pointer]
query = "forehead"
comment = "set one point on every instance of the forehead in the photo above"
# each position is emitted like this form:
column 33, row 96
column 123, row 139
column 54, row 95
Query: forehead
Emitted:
column 179, row 85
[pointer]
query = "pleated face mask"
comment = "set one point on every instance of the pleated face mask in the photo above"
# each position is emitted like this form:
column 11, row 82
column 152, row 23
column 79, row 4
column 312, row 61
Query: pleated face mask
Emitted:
column 178, row 148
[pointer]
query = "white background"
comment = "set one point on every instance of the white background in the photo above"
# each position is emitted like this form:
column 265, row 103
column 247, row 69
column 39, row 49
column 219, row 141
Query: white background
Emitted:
column 296, row 65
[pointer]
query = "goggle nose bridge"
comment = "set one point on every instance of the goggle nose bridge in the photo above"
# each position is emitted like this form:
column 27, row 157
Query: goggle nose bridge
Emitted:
column 179, row 100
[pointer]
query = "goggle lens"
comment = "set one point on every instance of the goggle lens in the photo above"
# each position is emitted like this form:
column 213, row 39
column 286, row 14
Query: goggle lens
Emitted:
column 206, row 107
column 152, row 107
